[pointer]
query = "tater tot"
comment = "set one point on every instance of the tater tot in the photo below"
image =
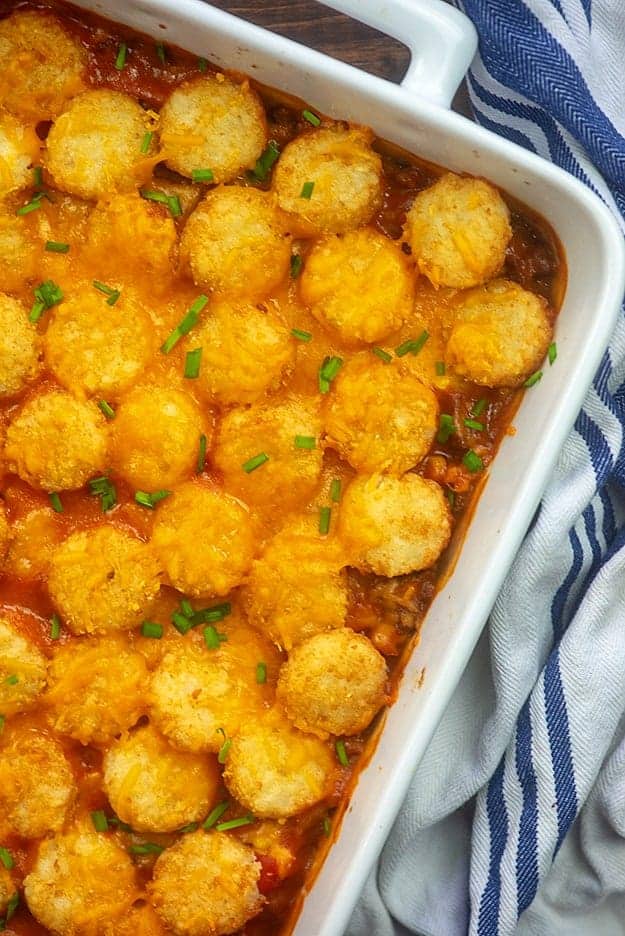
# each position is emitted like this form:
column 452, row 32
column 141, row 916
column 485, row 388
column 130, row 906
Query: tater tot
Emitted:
column 19, row 347
column 32, row 539
column 197, row 693
column 40, row 63
column 22, row 671
column 204, row 539
column 380, row 417
column 18, row 252
column 80, row 880
column 290, row 474
column 500, row 334
column 346, row 176
column 155, row 436
column 359, row 285
column 94, row 147
column 140, row 920
column 333, row 683
column 155, row 788
column 93, row 348
column 392, row 526
column 96, row 689
column 37, row 786
column 245, row 352
column 132, row 220
column 236, row 243
column 206, row 885
column 458, row 230
column 19, row 148
column 276, row 771
column 212, row 123
column 8, row 890
column 103, row 580
column 56, row 442
column 284, row 585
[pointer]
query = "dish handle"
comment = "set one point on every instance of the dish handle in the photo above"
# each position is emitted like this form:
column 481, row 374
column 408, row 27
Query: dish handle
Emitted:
column 442, row 41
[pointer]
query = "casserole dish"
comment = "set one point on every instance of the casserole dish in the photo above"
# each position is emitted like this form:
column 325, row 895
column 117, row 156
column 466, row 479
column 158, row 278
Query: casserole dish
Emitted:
column 219, row 40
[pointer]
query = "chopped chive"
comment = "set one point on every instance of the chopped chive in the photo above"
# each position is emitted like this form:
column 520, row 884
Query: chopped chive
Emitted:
column 261, row 673
column 150, row 629
column 301, row 335
column 192, row 364
column 531, row 381
column 202, row 175
column 146, row 142
column 55, row 627
column 446, row 428
column 175, row 208
column 328, row 371
column 202, row 64
column 474, row 424
column 181, row 622
column 341, row 753
column 215, row 815
column 186, row 607
column 383, row 355
column 234, row 823
column 201, row 456
column 33, row 205
column 311, row 118
column 451, row 497
column 265, row 161
column 296, row 265
column 552, row 353
column 212, row 615
column 107, row 409
column 224, row 750
column 55, row 500
column 6, row 858
column 122, row 52
column 12, row 906
column 305, row 442
column 113, row 294
column 161, row 52
column 122, row 826
column 100, row 822
column 212, row 638
column 253, row 463
column 324, row 520
column 57, row 247
column 172, row 201
column 104, row 488
column 2, row 721
column 37, row 176
column 146, row 848
column 412, row 345
column 440, row 368
column 185, row 326
column 150, row 500
column 327, row 827
column 478, row 408
column 190, row 827
column 47, row 295
column 335, row 491
column 12, row 680
column 472, row 461
column 307, row 190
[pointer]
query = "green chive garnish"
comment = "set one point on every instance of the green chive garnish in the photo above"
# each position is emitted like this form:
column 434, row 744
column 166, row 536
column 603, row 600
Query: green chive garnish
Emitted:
column 261, row 673
column 296, row 265
column 224, row 750
column 122, row 52
column 104, row 488
column 212, row 638
column 55, row 627
column 305, row 442
column 311, row 118
column 37, row 176
column 191, row 827
column 413, row 345
column 253, row 463
column 552, row 352
column 307, row 190
column 265, row 161
column 446, row 428
column 47, row 295
column 341, row 754
column 327, row 827
column 146, row 142
column 328, row 371
column 6, row 858
column 474, row 424
column 472, row 461
column 55, row 500
column 12, row 680
column 324, row 520
column 12, row 906
column 185, row 326
column 215, row 815
column 57, row 247
column 533, row 379
column 146, row 848
column 192, row 364
column 150, row 629
column 451, row 497
column 172, row 201
column 181, row 622
column 383, row 355
column 202, row 175
column 187, row 607
column 234, row 823
column 33, row 205
column 100, row 822
column 201, row 456
column 301, row 335
column 150, row 499
column 113, row 294
column 161, row 52
column 478, row 408
column 2, row 721
column 107, row 409
column 440, row 368
column 212, row 615
column 202, row 64
column 335, row 491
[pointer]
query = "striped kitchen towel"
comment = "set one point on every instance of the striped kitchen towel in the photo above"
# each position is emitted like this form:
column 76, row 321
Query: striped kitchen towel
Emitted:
column 515, row 821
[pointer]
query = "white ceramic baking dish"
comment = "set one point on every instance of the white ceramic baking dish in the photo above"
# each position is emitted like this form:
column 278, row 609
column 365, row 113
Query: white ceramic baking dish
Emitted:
column 416, row 117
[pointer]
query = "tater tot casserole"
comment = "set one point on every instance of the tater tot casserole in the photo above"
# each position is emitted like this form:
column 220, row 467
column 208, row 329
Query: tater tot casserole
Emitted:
column 254, row 365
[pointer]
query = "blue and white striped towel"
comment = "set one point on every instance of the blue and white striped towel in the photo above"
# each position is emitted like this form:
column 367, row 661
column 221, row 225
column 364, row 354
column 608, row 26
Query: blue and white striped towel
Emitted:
column 515, row 822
